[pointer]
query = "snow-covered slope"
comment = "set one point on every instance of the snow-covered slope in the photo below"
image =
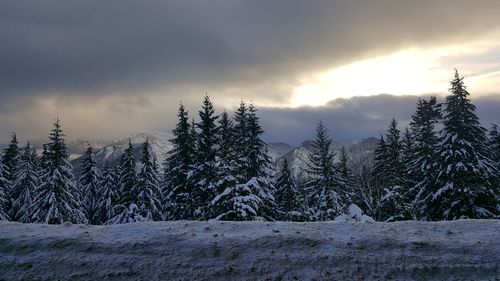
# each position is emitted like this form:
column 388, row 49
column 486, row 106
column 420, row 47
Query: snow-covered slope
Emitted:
column 456, row 250
column 76, row 148
column 112, row 152
column 276, row 150
column 359, row 151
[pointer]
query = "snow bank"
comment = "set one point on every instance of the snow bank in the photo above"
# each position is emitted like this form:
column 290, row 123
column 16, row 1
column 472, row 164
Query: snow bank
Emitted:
column 458, row 250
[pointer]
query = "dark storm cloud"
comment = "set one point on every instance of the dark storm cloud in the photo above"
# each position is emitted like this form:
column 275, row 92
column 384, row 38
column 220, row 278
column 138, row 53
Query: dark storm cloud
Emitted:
column 356, row 118
column 92, row 47
column 97, row 64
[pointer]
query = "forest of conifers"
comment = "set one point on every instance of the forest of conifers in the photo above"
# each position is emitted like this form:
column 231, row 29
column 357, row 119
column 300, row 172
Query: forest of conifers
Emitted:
column 444, row 166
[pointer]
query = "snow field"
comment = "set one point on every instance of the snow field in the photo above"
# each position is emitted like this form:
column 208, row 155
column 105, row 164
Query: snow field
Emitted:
column 189, row 250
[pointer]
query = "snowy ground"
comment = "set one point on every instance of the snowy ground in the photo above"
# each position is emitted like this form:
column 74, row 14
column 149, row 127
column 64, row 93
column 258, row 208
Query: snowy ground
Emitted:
column 459, row 250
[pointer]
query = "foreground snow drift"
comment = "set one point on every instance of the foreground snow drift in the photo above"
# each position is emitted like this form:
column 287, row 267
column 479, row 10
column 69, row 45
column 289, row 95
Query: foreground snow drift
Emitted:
column 458, row 250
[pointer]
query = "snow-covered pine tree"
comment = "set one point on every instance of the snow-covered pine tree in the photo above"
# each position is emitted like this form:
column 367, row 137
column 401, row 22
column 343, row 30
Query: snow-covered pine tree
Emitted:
column 241, row 135
column 323, row 189
column 58, row 198
column 125, row 214
column 90, row 181
column 179, row 162
column 347, row 181
column 260, row 169
column 10, row 160
column 4, row 199
column 287, row 196
column 44, row 160
column 407, row 147
column 127, row 176
column 108, row 195
column 245, row 189
column 467, row 176
column 396, row 172
column 379, row 179
column 204, row 173
column 422, row 167
column 147, row 189
column 25, row 184
column 494, row 143
column 392, row 205
column 223, row 205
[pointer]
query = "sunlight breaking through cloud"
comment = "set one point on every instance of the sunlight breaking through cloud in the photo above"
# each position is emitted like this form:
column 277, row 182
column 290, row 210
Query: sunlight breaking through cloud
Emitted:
column 406, row 72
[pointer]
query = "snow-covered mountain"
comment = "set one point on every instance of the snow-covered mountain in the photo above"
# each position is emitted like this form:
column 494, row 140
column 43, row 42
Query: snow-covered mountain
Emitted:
column 76, row 148
column 360, row 153
column 276, row 150
column 111, row 153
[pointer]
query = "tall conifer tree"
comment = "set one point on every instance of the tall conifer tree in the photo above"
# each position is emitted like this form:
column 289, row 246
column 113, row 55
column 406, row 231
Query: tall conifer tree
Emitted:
column 177, row 187
column 423, row 165
column 127, row 176
column 288, row 197
column 324, row 187
column 204, row 172
column 25, row 184
column 4, row 199
column 467, row 176
column 90, row 180
column 109, row 194
column 58, row 198
column 148, row 191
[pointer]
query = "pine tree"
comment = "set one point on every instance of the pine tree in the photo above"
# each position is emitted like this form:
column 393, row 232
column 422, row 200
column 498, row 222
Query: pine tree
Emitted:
column 379, row 177
column 180, row 161
column 90, row 180
column 126, row 214
column 108, row 195
column 4, row 199
column 394, row 148
column 10, row 160
column 58, row 198
column 407, row 152
column 257, row 164
column 324, row 187
column 25, row 184
column 222, row 205
column 246, row 193
column 127, row 176
column 204, row 172
column 347, row 182
column 422, row 167
column 287, row 196
column 392, row 205
column 260, row 167
column 11, row 157
column 467, row 176
column 147, row 188
column 241, row 135
column 494, row 143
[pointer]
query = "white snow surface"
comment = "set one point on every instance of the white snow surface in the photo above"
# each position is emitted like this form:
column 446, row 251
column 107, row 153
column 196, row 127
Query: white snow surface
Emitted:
column 187, row 250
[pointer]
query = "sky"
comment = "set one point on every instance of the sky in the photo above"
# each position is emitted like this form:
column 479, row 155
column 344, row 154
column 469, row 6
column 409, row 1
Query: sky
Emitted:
column 111, row 68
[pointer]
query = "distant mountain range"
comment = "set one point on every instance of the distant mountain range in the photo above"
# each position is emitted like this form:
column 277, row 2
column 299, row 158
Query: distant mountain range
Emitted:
column 360, row 151
column 111, row 153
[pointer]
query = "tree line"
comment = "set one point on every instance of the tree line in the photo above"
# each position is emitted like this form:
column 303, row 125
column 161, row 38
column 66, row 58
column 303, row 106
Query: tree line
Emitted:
column 219, row 169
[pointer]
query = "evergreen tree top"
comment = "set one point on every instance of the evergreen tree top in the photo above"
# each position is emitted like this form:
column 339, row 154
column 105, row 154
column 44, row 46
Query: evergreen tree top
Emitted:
column 57, row 151
column 321, row 157
column 11, row 156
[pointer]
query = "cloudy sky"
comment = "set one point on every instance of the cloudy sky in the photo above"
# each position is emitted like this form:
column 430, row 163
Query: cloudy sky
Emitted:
column 111, row 68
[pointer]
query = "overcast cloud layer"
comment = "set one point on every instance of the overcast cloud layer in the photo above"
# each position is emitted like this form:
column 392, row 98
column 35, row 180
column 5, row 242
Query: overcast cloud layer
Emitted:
column 109, row 68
